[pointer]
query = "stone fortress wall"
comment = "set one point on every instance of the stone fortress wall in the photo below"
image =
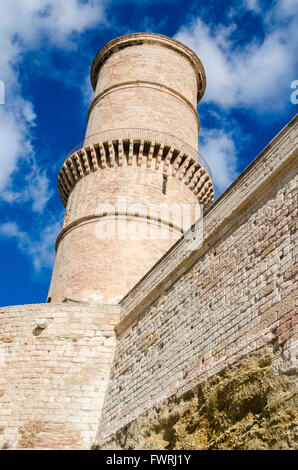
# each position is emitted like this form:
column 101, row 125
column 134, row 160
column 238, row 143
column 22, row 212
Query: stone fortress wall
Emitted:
column 196, row 313
column 53, row 380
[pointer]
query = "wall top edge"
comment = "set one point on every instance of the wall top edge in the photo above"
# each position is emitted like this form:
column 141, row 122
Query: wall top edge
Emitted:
column 139, row 38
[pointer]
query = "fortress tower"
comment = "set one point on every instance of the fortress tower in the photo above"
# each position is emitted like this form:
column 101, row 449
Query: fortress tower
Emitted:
column 140, row 154
column 203, row 333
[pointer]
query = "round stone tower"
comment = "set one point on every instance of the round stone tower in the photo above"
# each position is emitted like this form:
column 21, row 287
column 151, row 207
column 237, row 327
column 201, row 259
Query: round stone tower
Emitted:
column 132, row 187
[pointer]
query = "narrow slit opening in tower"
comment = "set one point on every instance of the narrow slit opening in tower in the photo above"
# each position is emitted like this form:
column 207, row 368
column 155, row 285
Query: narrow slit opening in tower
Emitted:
column 164, row 184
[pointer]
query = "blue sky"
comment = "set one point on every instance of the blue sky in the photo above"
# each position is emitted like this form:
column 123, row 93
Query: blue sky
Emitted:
column 248, row 48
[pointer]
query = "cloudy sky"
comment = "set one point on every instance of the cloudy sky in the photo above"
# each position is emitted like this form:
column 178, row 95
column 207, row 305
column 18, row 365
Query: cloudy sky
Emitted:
column 248, row 48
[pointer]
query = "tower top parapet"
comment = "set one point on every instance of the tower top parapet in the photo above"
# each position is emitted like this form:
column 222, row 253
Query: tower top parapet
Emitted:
column 136, row 39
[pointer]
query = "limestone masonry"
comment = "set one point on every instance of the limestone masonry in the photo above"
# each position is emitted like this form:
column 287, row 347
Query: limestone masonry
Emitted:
column 151, row 341
column 141, row 142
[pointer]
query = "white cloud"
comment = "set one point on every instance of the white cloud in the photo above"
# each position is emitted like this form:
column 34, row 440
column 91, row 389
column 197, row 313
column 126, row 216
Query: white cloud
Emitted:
column 35, row 190
column 13, row 144
column 287, row 7
column 27, row 22
column 219, row 149
column 26, row 25
column 11, row 229
column 256, row 75
column 41, row 250
column 39, row 191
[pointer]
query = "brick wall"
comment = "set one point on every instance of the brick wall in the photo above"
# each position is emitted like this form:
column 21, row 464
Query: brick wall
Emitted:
column 52, row 381
column 197, row 312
